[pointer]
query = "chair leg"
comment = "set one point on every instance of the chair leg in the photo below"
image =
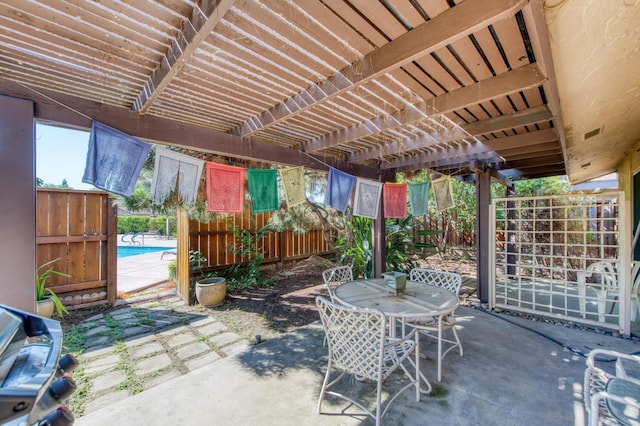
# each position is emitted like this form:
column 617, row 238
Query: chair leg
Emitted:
column 440, row 349
column 455, row 334
column 323, row 389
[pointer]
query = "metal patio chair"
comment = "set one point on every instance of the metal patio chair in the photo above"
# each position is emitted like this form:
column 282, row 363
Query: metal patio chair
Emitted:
column 429, row 326
column 605, row 283
column 335, row 276
column 360, row 346
column 612, row 396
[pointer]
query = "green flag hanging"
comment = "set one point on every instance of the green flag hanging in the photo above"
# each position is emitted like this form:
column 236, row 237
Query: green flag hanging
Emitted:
column 418, row 198
column 263, row 189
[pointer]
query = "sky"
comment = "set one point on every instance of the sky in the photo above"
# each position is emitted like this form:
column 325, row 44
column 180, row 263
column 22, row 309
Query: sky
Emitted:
column 61, row 153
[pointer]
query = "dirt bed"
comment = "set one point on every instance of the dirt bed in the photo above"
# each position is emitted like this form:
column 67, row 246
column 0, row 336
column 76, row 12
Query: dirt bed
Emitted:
column 290, row 302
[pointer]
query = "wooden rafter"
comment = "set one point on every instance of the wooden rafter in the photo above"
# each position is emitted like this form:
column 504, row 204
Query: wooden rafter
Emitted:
column 165, row 131
column 442, row 30
column 504, row 84
column 194, row 31
column 470, row 151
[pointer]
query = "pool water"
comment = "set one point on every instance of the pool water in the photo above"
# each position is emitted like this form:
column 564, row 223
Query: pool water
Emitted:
column 126, row 251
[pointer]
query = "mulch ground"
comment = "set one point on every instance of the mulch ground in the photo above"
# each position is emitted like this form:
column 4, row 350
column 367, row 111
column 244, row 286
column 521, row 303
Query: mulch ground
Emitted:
column 289, row 303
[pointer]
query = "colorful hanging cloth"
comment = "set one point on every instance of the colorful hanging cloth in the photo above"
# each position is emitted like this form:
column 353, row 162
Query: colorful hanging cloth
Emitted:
column 293, row 184
column 419, row 198
column 443, row 193
column 339, row 189
column 225, row 188
column 263, row 189
column 171, row 166
column 395, row 200
column 367, row 198
column 114, row 159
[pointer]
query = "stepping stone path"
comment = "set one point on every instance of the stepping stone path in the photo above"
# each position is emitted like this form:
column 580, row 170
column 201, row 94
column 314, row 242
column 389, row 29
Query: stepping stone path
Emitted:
column 133, row 349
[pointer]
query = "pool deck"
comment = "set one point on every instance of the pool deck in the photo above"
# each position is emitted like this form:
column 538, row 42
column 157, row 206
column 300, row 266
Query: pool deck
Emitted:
column 136, row 273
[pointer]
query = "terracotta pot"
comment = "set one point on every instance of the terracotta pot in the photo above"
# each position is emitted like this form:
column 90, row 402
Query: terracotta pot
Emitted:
column 211, row 291
column 45, row 307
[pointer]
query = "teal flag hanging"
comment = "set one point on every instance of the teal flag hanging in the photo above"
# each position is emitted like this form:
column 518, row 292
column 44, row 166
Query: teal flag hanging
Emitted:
column 419, row 198
column 263, row 189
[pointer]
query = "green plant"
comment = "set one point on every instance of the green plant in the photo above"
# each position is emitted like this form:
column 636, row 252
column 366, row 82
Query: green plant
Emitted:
column 42, row 291
column 172, row 266
column 246, row 274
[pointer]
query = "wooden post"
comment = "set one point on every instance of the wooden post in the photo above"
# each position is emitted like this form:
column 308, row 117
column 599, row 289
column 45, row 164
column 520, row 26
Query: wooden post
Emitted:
column 112, row 251
column 483, row 239
column 182, row 259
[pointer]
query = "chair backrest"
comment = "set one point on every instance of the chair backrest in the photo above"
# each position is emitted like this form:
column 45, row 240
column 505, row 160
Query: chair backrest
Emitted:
column 447, row 280
column 635, row 278
column 355, row 337
column 336, row 276
column 604, row 273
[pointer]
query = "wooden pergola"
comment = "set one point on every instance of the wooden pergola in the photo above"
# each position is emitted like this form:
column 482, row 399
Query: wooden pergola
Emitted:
column 461, row 88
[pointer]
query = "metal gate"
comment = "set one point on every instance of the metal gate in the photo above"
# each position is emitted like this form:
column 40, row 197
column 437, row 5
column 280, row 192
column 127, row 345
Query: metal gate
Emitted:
column 547, row 252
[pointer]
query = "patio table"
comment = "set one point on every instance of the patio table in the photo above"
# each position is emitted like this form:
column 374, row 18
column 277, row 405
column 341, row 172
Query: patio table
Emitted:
column 418, row 301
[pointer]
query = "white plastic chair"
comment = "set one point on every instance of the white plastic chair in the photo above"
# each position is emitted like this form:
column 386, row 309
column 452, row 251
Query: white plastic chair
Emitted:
column 336, row 276
column 359, row 346
column 606, row 284
column 429, row 326
column 599, row 401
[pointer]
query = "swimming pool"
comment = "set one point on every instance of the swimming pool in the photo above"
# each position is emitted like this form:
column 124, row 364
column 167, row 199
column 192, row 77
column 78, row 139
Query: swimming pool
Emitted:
column 126, row 251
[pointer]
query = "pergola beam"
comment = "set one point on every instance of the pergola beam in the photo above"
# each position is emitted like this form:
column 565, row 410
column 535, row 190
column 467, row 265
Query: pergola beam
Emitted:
column 67, row 110
column 505, row 84
column 515, row 120
column 452, row 154
column 194, row 31
column 454, row 24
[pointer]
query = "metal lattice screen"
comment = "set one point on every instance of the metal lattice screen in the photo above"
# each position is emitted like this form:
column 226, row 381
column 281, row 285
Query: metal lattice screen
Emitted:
column 544, row 246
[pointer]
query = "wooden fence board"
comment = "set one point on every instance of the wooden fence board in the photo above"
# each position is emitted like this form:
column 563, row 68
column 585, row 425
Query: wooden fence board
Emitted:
column 74, row 226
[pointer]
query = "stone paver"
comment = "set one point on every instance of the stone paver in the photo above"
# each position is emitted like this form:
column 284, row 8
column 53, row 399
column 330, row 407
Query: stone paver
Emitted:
column 97, row 340
column 212, row 328
column 224, row 339
column 181, row 339
column 150, row 365
column 96, row 330
column 164, row 339
column 146, row 349
column 108, row 381
column 192, row 349
column 139, row 340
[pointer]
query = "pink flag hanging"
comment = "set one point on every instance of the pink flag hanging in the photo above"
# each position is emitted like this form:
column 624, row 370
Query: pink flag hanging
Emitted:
column 395, row 200
column 225, row 188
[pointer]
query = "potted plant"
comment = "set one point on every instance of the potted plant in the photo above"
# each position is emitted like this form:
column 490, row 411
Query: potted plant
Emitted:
column 210, row 291
column 47, row 299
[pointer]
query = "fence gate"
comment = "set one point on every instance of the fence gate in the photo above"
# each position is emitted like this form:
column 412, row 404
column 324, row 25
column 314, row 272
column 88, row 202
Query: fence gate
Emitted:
column 79, row 228
column 542, row 252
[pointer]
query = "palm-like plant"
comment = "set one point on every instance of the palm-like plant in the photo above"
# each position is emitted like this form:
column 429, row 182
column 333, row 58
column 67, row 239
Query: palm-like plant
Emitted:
column 42, row 291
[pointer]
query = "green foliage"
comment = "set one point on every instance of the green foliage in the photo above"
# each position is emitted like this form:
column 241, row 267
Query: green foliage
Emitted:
column 42, row 291
column 354, row 246
column 544, row 186
column 246, row 274
column 134, row 224
column 173, row 269
column 399, row 245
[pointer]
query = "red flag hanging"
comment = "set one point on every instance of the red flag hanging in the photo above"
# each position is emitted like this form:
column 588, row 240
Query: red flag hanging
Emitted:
column 395, row 200
column 225, row 188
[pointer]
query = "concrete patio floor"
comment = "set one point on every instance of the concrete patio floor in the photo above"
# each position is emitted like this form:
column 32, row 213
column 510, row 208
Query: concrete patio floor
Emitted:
column 514, row 372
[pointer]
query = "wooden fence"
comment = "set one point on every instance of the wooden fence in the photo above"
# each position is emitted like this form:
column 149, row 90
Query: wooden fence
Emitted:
column 215, row 239
column 79, row 229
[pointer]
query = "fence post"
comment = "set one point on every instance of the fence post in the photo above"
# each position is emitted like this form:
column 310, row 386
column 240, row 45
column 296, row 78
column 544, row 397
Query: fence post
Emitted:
column 112, row 251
